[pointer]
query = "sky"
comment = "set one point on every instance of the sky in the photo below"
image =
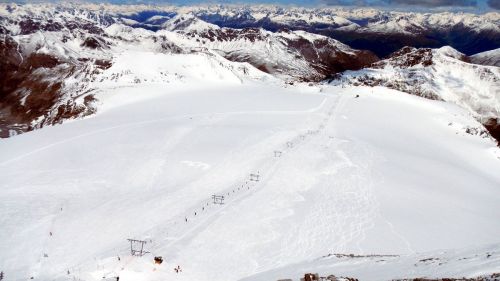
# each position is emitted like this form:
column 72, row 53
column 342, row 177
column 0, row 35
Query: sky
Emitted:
column 409, row 5
column 413, row 5
column 421, row 4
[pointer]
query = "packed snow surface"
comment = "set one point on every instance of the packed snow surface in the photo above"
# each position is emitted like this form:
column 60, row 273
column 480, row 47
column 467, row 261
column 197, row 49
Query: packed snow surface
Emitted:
column 459, row 263
column 382, row 173
column 470, row 86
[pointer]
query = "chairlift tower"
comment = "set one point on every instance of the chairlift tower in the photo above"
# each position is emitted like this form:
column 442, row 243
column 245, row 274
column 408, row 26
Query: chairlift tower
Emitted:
column 218, row 199
column 254, row 177
column 137, row 247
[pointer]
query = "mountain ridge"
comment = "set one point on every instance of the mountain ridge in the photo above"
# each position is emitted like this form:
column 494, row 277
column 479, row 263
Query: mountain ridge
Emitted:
column 359, row 28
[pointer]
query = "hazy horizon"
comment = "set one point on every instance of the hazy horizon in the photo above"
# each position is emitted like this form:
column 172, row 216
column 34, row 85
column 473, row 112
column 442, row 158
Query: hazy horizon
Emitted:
column 470, row 6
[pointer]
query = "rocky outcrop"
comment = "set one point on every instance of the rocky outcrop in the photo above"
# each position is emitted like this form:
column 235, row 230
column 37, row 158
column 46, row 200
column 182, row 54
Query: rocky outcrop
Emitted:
column 33, row 93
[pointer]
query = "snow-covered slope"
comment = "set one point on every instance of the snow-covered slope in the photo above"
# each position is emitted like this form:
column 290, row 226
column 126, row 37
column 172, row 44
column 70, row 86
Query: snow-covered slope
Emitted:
column 442, row 74
column 291, row 55
column 487, row 58
column 187, row 23
column 184, row 113
column 53, row 56
column 356, row 175
column 54, row 67
column 461, row 264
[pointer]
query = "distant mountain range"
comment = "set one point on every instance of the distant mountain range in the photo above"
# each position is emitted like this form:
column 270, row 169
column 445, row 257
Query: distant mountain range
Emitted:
column 55, row 59
column 381, row 32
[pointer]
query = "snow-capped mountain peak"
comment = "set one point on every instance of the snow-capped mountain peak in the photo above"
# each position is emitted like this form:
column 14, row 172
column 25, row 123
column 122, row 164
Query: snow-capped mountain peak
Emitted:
column 451, row 52
column 188, row 23
column 491, row 57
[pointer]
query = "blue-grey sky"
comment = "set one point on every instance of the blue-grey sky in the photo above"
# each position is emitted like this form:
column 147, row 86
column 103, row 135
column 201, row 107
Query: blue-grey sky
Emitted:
column 421, row 4
column 411, row 5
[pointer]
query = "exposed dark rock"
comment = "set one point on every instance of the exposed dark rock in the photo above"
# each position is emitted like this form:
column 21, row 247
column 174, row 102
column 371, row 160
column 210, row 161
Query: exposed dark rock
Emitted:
column 94, row 43
column 86, row 26
column 493, row 127
column 103, row 64
column 28, row 94
column 407, row 57
column 29, row 26
column 36, row 60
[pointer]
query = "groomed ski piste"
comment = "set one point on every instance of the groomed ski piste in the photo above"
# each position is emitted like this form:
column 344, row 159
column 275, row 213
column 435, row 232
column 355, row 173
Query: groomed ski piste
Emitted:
column 362, row 171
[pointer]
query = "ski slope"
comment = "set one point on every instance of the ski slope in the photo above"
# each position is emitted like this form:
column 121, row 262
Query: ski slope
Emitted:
column 384, row 173
column 466, row 262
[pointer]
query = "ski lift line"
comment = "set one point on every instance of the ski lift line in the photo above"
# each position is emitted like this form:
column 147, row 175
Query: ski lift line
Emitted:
column 216, row 212
column 48, row 238
column 200, row 220
column 130, row 259
column 247, row 183
column 188, row 214
column 219, row 210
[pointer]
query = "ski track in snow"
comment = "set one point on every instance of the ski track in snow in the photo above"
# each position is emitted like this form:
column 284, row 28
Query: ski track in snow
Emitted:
column 164, row 237
column 128, row 125
column 352, row 208
column 170, row 237
column 345, row 207
column 358, row 200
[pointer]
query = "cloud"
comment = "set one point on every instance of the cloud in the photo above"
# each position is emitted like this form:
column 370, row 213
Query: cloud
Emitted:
column 495, row 4
column 414, row 3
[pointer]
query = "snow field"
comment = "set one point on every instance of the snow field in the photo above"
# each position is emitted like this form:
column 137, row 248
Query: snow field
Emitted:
column 84, row 170
column 362, row 176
